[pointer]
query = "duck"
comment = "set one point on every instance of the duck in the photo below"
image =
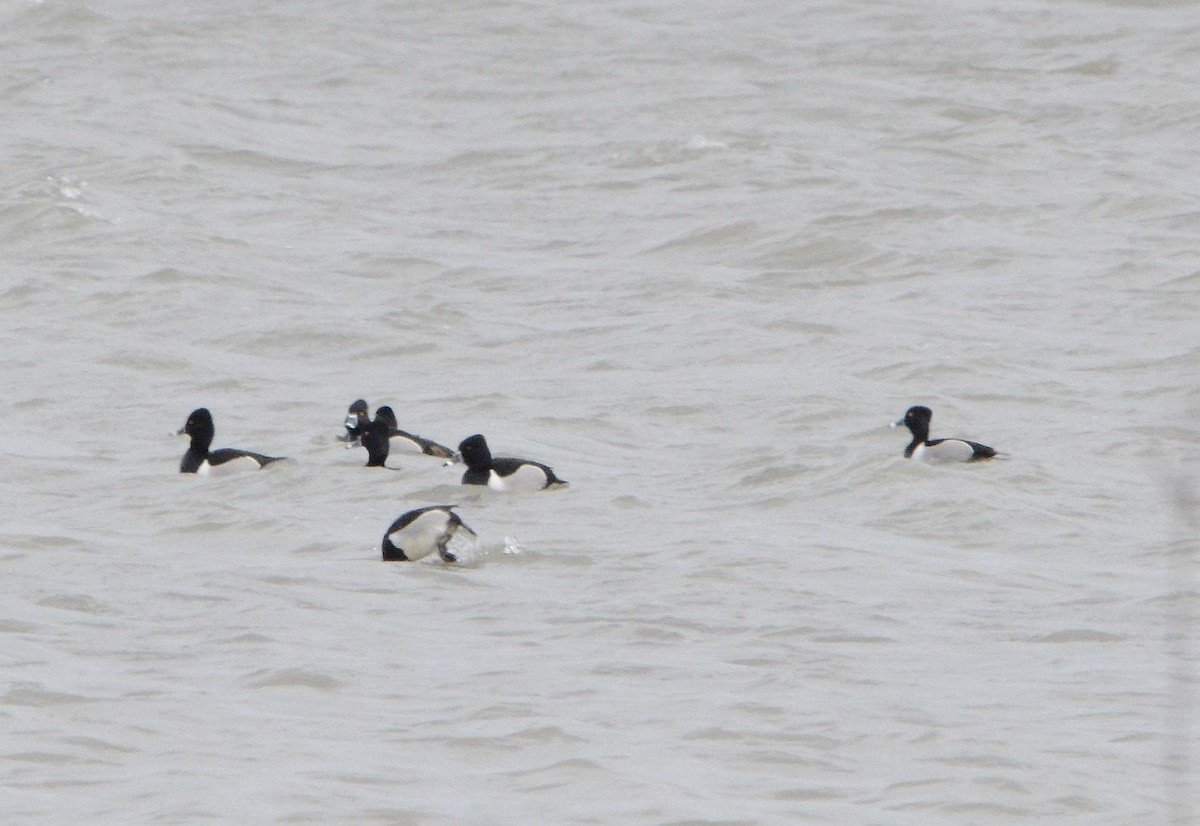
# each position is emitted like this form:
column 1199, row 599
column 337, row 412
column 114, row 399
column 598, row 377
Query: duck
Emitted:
column 503, row 473
column 418, row 533
column 924, row 449
column 374, row 437
column 199, row 459
column 356, row 420
column 410, row 442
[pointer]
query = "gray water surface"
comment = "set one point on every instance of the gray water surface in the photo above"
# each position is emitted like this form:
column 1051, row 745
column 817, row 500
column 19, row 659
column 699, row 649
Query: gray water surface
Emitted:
column 696, row 257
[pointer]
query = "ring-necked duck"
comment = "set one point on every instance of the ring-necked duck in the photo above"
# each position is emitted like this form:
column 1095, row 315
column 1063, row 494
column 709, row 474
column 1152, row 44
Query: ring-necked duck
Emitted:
column 199, row 459
column 923, row 448
column 502, row 473
column 420, row 532
column 410, row 442
column 402, row 441
column 356, row 419
column 374, row 437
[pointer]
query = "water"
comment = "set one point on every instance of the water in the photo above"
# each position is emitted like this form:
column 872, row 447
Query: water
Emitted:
column 696, row 257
